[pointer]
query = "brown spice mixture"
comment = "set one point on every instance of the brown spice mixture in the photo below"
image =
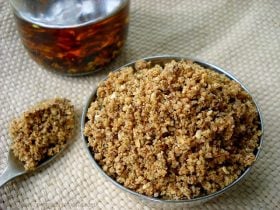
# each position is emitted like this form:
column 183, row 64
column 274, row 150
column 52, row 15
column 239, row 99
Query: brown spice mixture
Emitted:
column 173, row 132
column 42, row 131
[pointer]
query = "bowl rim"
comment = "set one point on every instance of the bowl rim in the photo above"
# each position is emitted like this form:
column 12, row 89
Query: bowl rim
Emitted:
column 158, row 200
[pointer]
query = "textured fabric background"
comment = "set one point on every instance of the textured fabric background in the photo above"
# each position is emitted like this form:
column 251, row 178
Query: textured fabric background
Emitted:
column 242, row 37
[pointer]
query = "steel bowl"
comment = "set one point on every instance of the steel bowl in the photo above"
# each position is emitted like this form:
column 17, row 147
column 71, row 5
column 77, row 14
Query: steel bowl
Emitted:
column 156, row 202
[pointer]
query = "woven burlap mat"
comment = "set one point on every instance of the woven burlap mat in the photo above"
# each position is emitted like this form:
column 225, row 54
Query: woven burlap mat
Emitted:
column 242, row 37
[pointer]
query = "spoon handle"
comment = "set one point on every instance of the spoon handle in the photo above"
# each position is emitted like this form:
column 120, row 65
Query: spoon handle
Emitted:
column 6, row 176
column 14, row 168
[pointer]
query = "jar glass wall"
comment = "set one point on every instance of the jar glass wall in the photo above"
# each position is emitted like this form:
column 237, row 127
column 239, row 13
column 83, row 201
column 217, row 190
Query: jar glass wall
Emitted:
column 73, row 37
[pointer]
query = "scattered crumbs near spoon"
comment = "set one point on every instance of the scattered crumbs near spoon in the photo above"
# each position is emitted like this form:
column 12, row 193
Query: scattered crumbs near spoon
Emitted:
column 42, row 131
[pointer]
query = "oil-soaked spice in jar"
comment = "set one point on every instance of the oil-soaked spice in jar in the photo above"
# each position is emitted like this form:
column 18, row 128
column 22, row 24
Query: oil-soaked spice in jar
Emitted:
column 77, row 43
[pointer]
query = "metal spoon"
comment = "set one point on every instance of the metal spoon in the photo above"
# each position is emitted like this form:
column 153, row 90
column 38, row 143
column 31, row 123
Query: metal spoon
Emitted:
column 15, row 168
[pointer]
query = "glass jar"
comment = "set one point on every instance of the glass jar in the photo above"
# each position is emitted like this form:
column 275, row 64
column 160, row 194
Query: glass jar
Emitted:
column 73, row 37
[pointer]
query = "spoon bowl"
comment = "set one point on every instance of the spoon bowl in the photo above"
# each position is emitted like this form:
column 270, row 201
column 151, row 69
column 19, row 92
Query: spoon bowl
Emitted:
column 16, row 168
column 39, row 135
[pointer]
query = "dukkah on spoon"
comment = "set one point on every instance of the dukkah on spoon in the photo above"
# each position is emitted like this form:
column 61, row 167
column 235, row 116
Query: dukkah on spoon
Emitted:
column 38, row 136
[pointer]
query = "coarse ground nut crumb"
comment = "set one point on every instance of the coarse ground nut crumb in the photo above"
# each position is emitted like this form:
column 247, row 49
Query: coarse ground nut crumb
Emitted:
column 42, row 131
column 176, row 131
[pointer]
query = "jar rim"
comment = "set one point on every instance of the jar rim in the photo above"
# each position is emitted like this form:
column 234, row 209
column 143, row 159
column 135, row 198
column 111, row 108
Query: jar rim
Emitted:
column 122, row 5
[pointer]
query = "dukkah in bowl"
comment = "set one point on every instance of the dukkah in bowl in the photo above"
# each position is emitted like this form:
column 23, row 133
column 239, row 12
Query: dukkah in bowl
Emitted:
column 172, row 129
